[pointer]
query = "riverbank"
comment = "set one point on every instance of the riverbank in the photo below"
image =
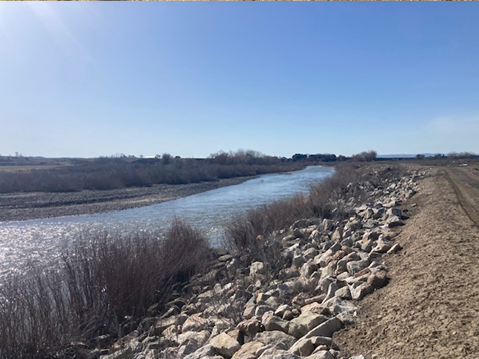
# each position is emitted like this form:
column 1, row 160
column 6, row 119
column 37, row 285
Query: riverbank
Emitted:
column 22, row 206
column 387, row 271
column 291, row 294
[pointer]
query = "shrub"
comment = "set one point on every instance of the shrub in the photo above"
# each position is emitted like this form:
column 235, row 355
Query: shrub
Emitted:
column 102, row 287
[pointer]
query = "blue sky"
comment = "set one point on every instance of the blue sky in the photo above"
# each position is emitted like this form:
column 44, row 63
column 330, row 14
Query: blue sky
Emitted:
column 86, row 79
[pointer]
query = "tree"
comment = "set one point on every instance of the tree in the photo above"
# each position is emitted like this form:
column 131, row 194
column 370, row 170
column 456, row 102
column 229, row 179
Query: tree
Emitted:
column 370, row 155
column 166, row 158
column 299, row 157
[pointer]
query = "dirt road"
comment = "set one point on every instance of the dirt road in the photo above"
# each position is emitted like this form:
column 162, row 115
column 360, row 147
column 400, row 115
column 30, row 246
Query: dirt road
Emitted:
column 430, row 309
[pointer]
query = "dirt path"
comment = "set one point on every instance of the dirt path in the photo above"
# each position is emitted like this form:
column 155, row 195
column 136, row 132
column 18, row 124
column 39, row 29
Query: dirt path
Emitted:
column 430, row 309
column 466, row 185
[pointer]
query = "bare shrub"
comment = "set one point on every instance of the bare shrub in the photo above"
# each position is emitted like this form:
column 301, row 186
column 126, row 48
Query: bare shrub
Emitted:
column 324, row 196
column 249, row 235
column 102, row 287
column 365, row 156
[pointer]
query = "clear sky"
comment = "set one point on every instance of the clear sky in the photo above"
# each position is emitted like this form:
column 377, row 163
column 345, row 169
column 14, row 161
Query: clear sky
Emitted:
column 84, row 79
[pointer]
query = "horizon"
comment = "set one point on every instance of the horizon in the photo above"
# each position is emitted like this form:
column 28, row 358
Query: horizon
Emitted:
column 87, row 79
column 379, row 155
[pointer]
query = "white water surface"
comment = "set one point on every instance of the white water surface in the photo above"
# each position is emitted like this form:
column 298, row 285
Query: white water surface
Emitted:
column 42, row 240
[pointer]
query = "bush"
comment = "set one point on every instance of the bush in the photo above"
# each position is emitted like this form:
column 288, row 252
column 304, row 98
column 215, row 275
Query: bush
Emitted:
column 103, row 287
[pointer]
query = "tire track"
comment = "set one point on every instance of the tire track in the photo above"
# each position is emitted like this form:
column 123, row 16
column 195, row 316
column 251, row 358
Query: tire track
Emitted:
column 466, row 187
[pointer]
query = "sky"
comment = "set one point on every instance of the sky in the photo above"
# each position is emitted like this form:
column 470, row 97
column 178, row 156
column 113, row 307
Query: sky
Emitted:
column 89, row 79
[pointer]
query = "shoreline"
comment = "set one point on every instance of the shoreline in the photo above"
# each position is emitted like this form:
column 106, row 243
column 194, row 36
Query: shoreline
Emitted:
column 38, row 205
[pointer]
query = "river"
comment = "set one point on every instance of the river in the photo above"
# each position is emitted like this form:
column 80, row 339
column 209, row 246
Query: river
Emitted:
column 42, row 240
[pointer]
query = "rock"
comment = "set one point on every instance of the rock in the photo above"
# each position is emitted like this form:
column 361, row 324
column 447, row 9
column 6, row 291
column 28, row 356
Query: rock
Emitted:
column 249, row 311
column 272, row 322
column 326, row 329
column 333, row 287
column 377, row 279
column 394, row 222
column 251, row 350
column 162, row 324
column 262, row 297
column 313, row 308
column 285, row 288
column 279, row 339
column 344, row 310
column 308, row 268
column 250, row 327
column 383, row 245
column 378, row 212
column 367, row 244
column 310, row 253
column 273, row 302
column 282, row 309
column 344, row 293
column 288, row 315
column 395, row 248
column 393, row 212
column 315, row 299
column 225, row 345
column 303, row 347
column 261, row 309
column 194, row 323
column 356, row 266
column 304, row 323
column 202, row 353
column 329, row 270
column 337, row 235
column 360, row 290
column 185, row 349
column 298, row 260
column 341, row 266
column 256, row 268
column 327, row 225
column 352, row 225
column 200, row 338
column 120, row 354
column 274, row 353
column 322, row 354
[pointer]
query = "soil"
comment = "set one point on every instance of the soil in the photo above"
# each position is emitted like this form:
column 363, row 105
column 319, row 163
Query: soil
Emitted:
column 33, row 205
column 430, row 308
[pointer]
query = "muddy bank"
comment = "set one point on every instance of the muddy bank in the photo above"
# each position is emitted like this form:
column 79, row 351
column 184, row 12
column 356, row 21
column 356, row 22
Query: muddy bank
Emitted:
column 23, row 206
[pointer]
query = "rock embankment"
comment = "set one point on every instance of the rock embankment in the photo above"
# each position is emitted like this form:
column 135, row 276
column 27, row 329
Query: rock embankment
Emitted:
column 246, row 312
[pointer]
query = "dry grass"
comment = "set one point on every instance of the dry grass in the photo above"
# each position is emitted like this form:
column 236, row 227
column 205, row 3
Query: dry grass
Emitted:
column 115, row 173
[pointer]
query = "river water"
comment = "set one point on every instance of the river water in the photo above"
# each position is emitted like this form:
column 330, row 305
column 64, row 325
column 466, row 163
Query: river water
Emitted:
column 42, row 240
